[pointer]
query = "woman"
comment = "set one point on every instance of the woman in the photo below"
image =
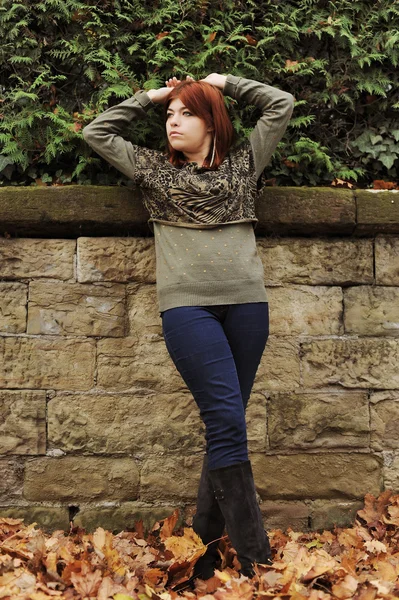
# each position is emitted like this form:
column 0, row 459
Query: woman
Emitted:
column 212, row 301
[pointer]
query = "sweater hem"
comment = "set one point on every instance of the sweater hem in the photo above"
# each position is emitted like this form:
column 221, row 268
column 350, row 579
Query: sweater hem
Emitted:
column 208, row 293
column 200, row 225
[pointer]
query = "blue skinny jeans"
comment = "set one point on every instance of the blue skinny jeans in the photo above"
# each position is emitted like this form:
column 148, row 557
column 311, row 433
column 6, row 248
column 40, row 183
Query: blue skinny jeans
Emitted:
column 217, row 351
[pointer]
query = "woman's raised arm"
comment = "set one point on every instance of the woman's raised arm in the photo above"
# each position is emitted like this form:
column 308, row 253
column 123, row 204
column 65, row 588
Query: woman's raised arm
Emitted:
column 105, row 133
column 276, row 106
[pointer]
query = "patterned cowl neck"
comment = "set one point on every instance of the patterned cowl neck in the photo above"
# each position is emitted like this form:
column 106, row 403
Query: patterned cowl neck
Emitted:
column 196, row 196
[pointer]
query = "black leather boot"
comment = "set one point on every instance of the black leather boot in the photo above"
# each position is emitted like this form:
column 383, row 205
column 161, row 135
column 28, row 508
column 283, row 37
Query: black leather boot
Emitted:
column 208, row 523
column 235, row 492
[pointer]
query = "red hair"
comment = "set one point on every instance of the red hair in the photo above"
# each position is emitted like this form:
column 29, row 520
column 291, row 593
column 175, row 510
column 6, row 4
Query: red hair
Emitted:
column 206, row 102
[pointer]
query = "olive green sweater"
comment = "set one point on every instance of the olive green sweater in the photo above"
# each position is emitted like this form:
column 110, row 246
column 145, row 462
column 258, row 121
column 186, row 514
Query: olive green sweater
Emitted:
column 203, row 221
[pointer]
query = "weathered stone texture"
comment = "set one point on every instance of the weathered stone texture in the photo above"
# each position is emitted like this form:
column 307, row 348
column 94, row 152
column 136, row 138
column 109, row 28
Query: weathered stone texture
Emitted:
column 372, row 310
column 48, row 518
column 309, row 476
column 125, row 423
column 76, row 309
column 327, row 514
column 391, row 474
column 73, row 210
column 11, row 480
column 126, row 363
column 75, row 478
column 20, row 258
column 120, row 518
column 144, row 321
column 284, row 515
column 132, row 423
column 170, row 477
column 23, row 422
column 279, row 365
column 116, row 259
column 384, row 416
column 306, row 210
column 318, row 420
column 316, row 261
column 42, row 362
column 309, row 310
column 377, row 211
column 387, row 260
column 13, row 298
column 256, row 422
column 354, row 363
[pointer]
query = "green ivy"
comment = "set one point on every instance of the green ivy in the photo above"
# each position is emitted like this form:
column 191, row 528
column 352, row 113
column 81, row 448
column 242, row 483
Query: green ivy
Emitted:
column 65, row 61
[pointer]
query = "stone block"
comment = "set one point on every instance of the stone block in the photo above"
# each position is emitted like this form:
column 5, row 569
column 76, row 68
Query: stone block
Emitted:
column 45, row 362
column 73, row 210
column 23, row 424
column 285, row 515
column 377, row 211
column 137, row 363
column 256, row 422
column 47, row 518
column 142, row 307
column 372, row 310
column 384, row 419
column 387, row 260
column 316, row 261
column 305, row 210
column 29, row 257
column 13, row 298
column 81, row 478
column 391, row 473
column 311, row 476
column 165, row 478
column 279, row 365
column 124, row 517
column 351, row 362
column 116, row 259
column 318, row 420
column 327, row 514
column 304, row 309
column 140, row 423
column 11, row 480
column 76, row 309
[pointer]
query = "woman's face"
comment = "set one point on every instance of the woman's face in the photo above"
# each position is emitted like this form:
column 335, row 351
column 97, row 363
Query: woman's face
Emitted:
column 185, row 131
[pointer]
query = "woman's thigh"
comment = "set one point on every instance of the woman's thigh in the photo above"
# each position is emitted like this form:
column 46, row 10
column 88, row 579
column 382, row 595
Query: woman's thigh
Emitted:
column 197, row 343
column 246, row 327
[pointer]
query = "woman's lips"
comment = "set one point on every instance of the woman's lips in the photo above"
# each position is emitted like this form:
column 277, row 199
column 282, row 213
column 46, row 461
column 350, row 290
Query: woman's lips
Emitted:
column 174, row 133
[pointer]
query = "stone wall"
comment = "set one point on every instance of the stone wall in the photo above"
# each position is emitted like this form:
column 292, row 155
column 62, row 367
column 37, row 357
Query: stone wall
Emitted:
column 97, row 425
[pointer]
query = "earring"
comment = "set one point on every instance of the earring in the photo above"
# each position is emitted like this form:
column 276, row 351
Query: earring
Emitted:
column 213, row 151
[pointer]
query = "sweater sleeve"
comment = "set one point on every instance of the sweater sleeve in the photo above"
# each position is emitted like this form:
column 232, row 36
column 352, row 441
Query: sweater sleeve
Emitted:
column 276, row 106
column 104, row 135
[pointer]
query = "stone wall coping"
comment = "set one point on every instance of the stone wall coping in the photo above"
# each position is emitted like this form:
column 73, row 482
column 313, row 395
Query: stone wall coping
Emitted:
column 77, row 210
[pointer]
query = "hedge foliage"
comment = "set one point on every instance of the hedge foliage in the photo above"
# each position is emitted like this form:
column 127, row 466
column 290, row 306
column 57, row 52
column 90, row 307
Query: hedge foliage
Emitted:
column 65, row 61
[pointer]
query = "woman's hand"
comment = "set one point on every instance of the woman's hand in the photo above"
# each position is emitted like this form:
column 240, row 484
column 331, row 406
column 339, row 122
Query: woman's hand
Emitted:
column 160, row 95
column 216, row 79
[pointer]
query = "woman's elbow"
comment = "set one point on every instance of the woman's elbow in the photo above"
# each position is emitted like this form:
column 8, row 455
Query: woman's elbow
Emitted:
column 289, row 100
column 86, row 132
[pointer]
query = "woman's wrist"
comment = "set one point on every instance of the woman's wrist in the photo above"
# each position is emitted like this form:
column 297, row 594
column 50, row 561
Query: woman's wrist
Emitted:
column 216, row 79
column 151, row 93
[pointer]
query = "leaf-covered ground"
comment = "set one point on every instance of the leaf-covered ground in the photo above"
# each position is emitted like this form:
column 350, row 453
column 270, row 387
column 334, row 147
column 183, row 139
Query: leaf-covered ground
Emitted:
column 360, row 562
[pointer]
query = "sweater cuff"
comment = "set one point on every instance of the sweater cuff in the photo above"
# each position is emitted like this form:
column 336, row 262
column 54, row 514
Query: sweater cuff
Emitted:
column 230, row 86
column 144, row 100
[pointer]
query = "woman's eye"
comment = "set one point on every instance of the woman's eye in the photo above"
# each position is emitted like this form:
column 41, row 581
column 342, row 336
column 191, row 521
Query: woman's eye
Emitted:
column 187, row 113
